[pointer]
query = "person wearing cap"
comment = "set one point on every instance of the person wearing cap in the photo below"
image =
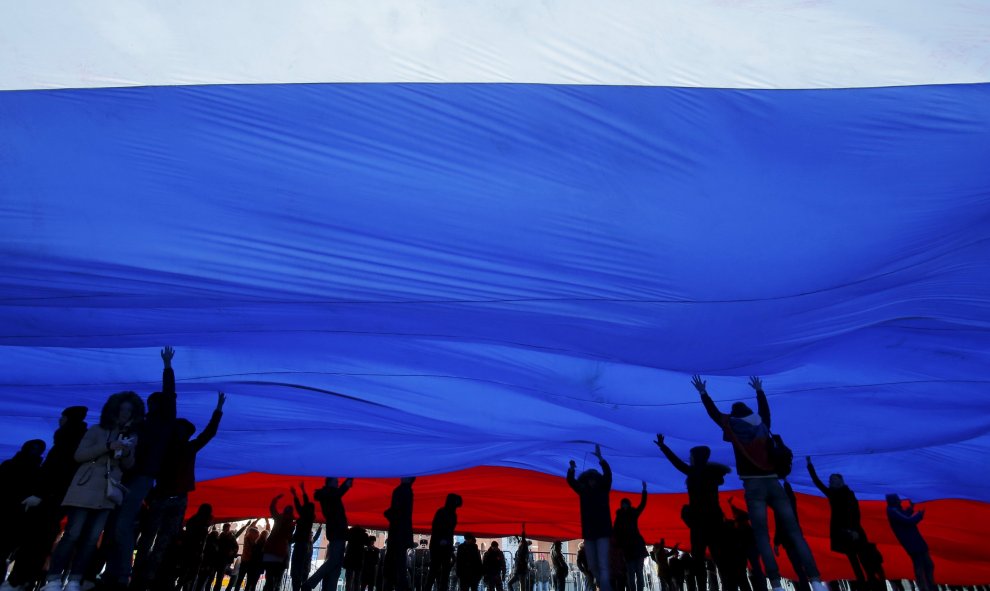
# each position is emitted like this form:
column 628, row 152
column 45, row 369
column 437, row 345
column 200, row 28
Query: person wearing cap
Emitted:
column 749, row 434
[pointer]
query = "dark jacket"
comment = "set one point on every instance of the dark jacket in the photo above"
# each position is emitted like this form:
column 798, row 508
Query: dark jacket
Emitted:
column 750, row 436
column 469, row 566
column 155, row 433
column 60, row 464
column 331, row 502
column 702, row 482
column 494, row 563
column 442, row 531
column 177, row 475
column 399, row 515
column 596, row 514
column 20, row 476
column 904, row 524
column 627, row 534
column 845, row 528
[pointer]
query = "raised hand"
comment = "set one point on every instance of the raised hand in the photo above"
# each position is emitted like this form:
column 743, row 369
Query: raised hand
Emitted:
column 659, row 440
column 598, row 451
column 756, row 383
column 699, row 384
column 644, row 486
column 808, row 459
column 573, row 465
column 167, row 354
column 221, row 398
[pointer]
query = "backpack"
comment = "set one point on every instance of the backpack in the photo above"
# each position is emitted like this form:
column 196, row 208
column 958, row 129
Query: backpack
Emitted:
column 781, row 456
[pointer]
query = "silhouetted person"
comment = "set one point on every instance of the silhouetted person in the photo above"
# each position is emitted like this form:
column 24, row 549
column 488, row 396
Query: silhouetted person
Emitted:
column 154, row 435
column 469, row 568
column 493, row 564
column 400, row 535
column 103, row 454
column 42, row 506
column 560, row 567
column 276, row 556
column 419, row 564
column 661, row 557
column 873, row 567
column 904, row 523
column 747, row 541
column 630, row 540
column 369, row 566
column 520, row 566
column 256, row 566
column 749, row 434
column 20, row 475
column 247, row 553
column 617, row 567
column 192, row 544
column 585, row 568
column 223, row 556
column 331, row 500
column 302, row 538
column 357, row 538
column 168, row 499
column 442, row 543
column 593, row 488
column 845, row 529
column 209, row 559
column 703, row 515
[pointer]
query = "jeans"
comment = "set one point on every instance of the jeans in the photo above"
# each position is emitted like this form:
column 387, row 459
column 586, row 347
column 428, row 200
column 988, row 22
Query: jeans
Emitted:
column 165, row 518
column 767, row 492
column 125, row 530
column 597, row 552
column 329, row 571
column 81, row 534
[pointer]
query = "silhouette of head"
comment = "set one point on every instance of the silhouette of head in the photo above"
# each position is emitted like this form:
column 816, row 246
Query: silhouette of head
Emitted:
column 183, row 429
column 287, row 512
column 469, row 538
column 740, row 410
column 454, row 501
column 121, row 409
column 590, row 478
column 494, row 544
column 226, row 527
column 331, row 482
column 407, row 479
column 700, row 455
column 205, row 510
column 625, row 504
column 73, row 414
column 893, row 500
column 34, row 447
column 836, row 481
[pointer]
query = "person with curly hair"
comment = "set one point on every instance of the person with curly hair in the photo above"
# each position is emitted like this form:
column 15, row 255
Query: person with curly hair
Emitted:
column 103, row 454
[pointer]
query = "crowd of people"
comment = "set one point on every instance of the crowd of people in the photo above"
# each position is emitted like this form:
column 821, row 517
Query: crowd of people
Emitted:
column 108, row 505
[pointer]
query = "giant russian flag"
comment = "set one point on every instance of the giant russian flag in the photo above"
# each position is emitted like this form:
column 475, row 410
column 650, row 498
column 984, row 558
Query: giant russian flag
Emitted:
column 471, row 239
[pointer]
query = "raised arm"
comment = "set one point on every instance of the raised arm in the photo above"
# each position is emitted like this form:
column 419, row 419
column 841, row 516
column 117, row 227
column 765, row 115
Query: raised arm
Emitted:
column 606, row 469
column 678, row 463
column 814, row 477
column 319, row 530
column 295, row 500
column 210, row 431
column 273, row 508
column 702, row 387
column 168, row 376
column 571, row 481
column 905, row 517
column 642, row 500
column 346, row 486
column 244, row 528
column 762, row 406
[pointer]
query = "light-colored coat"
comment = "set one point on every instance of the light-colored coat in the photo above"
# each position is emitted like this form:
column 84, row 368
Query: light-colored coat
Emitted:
column 89, row 486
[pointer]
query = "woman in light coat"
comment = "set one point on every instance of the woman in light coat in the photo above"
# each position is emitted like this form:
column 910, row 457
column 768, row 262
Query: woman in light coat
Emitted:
column 104, row 452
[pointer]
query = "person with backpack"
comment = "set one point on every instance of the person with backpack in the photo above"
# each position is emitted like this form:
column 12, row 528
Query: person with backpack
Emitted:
column 761, row 460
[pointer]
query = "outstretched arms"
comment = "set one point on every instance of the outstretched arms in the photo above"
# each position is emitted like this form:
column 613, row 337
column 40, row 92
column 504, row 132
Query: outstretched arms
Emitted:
column 762, row 406
column 678, row 463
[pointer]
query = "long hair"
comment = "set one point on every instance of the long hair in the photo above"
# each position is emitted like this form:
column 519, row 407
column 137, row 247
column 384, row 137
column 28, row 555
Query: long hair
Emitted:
column 111, row 409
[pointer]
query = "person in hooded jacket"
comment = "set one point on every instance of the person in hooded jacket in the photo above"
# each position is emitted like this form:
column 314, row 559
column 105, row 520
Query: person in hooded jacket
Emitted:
column 170, row 496
column 631, row 541
column 442, row 543
column 103, row 454
column 749, row 434
column 154, row 435
column 20, row 475
column 469, row 565
column 42, row 508
column 593, row 488
column 493, row 565
column 845, row 528
column 400, row 535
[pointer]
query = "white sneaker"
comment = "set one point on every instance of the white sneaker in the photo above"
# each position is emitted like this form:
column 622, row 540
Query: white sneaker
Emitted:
column 52, row 585
column 73, row 585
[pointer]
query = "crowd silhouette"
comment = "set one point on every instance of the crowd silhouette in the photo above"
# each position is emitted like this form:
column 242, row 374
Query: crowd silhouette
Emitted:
column 121, row 488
